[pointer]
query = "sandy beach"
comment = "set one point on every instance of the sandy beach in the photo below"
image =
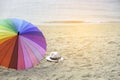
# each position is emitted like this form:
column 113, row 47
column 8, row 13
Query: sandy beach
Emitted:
column 85, row 32
column 91, row 51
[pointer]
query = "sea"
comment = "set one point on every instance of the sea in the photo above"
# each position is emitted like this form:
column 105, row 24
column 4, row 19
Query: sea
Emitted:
column 61, row 11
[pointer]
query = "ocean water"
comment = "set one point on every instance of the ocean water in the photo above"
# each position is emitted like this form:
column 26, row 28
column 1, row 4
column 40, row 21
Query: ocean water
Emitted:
column 38, row 11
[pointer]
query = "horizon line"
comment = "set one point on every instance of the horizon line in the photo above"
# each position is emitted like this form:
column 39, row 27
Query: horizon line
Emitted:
column 78, row 21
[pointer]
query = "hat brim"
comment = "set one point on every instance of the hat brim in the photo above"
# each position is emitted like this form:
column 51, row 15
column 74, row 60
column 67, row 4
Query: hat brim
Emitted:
column 51, row 60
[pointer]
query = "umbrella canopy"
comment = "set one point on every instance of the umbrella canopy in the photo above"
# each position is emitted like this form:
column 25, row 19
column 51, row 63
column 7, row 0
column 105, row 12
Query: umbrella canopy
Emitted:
column 22, row 45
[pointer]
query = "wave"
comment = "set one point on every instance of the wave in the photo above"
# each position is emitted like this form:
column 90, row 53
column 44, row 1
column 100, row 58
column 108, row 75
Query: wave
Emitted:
column 77, row 22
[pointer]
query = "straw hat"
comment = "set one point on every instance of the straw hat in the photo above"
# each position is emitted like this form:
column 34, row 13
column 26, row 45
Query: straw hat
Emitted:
column 54, row 57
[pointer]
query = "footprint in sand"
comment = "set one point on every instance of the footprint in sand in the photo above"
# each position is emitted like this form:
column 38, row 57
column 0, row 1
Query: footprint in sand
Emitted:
column 86, row 75
column 56, row 77
column 112, row 42
column 6, row 73
column 118, row 54
column 64, row 77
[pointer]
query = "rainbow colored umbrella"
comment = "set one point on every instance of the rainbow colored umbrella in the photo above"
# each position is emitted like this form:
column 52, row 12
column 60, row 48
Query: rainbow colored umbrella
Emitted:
column 22, row 45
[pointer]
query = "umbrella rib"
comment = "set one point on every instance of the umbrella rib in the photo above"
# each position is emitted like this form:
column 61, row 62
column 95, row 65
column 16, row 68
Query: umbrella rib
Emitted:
column 21, row 60
column 10, row 43
column 14, row 58
column 31, row 39
column 32, row 52
column 6, row 41
column 14, row 28
column 25, row 26
column 6, row 52
column 9, row 25
column 23, row 45
column 34, row 43
column 33, row 29
column 28, row 54
column 16, row 25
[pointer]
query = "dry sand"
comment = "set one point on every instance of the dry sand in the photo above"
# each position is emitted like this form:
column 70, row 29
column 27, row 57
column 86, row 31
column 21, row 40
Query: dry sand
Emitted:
column 91, row 52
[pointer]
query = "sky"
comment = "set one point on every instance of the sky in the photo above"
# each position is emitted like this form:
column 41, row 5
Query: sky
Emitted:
column 39, row 11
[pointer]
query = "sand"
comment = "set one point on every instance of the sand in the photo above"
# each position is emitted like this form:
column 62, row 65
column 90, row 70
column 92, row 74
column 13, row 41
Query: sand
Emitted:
column 91, row 51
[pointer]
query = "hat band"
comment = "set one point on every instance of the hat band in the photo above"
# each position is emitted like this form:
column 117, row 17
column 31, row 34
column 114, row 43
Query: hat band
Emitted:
column 55, row 58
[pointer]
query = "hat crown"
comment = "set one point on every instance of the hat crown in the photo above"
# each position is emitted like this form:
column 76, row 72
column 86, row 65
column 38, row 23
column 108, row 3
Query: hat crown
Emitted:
column 54, row 55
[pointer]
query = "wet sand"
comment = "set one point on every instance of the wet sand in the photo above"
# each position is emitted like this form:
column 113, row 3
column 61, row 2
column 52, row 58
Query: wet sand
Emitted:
column 91, row 52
